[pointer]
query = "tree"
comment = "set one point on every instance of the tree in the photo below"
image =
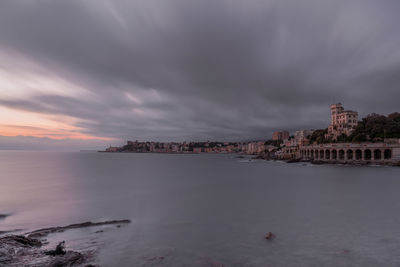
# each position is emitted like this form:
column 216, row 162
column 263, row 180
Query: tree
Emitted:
column 376, row 127
column 319, row 136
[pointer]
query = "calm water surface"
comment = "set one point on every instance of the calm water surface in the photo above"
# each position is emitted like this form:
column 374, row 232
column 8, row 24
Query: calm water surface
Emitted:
column 200, row 210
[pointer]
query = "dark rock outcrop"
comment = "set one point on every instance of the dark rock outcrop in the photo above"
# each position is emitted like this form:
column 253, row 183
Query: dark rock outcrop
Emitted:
column 70, row 258
column 293, row 160
column 9, row 231
column 3, row 216
column 26, row 250
column 20, row 240
column 45, row 231
column 60, row 250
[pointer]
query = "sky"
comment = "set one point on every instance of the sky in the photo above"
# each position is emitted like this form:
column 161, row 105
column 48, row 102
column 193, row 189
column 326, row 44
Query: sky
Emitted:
column 91, row 73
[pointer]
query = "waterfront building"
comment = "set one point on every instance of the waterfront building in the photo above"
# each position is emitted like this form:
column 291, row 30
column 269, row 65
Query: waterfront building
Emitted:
column 197, row 150
column 174, row 148
column 290, row 142
column 254, row 148
column 251, row 148
column 112, row 149
column 342, row 121
column 280, row 136
column 301, row 136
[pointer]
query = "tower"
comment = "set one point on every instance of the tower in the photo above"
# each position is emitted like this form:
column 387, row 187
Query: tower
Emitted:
column 336, row 109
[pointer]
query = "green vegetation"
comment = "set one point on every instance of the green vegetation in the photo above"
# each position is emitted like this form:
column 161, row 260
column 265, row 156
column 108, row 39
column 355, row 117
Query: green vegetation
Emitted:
column 319, row 136
column 373, row 128
column 276, row 143
column 376, row 127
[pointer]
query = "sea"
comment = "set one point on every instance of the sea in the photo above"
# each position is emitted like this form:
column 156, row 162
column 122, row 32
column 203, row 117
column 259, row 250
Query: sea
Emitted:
column 205, row 209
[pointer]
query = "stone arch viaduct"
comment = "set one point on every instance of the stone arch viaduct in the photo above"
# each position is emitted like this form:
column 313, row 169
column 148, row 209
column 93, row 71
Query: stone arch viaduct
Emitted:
column 351, row 152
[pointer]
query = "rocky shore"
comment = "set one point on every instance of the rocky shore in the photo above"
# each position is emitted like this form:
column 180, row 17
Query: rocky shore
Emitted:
column 28, row 249
column 341, row 162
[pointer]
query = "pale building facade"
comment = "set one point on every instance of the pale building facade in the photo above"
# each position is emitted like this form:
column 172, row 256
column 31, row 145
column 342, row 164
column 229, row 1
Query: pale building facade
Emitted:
column 255, row 148
column 342, row 121
column 301, row 136
column 280, row 136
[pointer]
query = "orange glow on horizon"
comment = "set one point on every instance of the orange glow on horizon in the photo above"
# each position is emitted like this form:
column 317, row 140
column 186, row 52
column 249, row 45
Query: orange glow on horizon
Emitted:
column 16, row 130
column 58, row 127
column 26, row 80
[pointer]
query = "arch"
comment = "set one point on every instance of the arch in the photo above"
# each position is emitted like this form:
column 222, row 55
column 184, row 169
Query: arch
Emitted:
column 312, row 154
column 377, row 154
column 321, row 154
column 367, row 154
column 316, row 154
column 358, row 154
column 341, row 154
column 387, row 154
column 350, row 154
column 334, row 154
column 327, row 154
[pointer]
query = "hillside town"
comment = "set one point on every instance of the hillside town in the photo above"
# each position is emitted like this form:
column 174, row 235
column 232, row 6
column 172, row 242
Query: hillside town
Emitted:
column 346, row 139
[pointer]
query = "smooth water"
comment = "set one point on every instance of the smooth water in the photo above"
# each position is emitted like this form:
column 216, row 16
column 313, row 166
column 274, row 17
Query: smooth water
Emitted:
column 205, row 210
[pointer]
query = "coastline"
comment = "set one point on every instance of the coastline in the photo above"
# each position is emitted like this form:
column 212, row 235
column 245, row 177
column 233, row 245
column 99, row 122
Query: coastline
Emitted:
column 184, row 152
column 352, row 163
column 271, row 158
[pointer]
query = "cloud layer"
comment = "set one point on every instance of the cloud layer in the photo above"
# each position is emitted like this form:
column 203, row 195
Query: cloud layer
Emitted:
column 190, row 70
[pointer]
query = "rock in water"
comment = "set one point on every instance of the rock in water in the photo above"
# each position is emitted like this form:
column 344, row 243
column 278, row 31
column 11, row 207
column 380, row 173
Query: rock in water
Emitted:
column 60, row 250
column 70, row 258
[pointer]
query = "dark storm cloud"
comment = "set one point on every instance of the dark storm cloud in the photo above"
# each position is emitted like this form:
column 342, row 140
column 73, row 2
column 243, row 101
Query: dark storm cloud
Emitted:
column 207, row 69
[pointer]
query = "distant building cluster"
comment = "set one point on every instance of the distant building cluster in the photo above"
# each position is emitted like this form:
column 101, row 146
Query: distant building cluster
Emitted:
column 251, row 148
column 281, row 145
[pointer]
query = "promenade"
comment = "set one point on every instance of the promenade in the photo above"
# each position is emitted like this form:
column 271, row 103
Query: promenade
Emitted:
column 352, row 152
